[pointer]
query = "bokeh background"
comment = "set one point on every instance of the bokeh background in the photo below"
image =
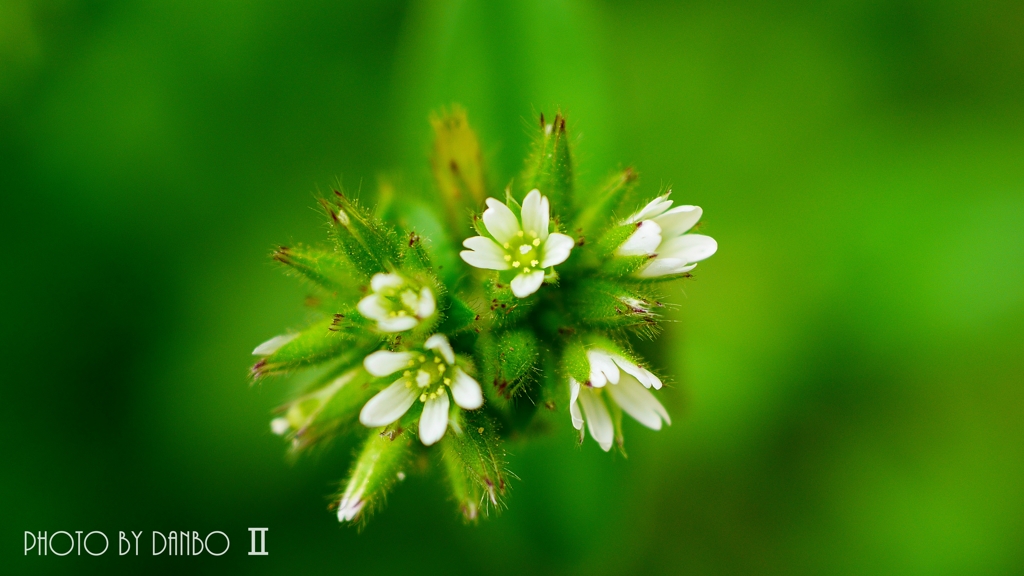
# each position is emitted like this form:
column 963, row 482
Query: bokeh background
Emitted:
column 848, row 391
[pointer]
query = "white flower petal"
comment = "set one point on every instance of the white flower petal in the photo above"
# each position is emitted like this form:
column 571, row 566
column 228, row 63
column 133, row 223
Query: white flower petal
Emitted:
column 372, row 307
column 688, row 247
column 280, row 426
column 653, row 208
column 381, row 281
column 664, row 267
column 643, row 375
column 599, row 421
column 466, row 391
column 484, row 253
column 350, row 506
column 643, row 241
column 397, row 324
column 388, row 405
column 525, row 284
column 574, row 408
column 439, row 342
column 500, row 221
column 427, row 304
column 678, row 220
column 434, row 420
column 410, row 299
column 384, row 362
column 556, row 250
column 274, row 344
column 536, row 214
column 602, row 368
column 639, row 403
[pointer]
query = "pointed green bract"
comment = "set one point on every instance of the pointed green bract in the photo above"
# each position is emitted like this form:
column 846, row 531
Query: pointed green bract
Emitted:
column 457, row 165
column 381, row 463
column 550, row 167
column 334, row 404
column 328, row 270
column 313, row 345
column 478, row 449
column 604, row 303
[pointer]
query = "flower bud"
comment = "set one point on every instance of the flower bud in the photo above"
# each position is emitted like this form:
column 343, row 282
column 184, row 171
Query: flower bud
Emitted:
column 379, row 465
column 550, row 166
column 288, row 352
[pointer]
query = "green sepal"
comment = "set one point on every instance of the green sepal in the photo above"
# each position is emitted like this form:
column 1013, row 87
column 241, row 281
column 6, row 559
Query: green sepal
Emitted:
column 331, row 407
column 380, row 464
column 603, row 303
column 614, row 265
column 328, row 270
column 314, row 345
column 370, row 244
column 549, row 167
column 574, row 360
column 458, row 316
column 513, row 364
column 475, row 444
column 506, row 309
column 457, row 165
column 465, row 490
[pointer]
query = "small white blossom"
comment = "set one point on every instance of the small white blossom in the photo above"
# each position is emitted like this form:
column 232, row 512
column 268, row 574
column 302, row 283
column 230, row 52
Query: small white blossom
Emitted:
column 396, row 304
column 661, row 234
column 630, row 395
column 523, row 244
column 427, row 375
column 280, row 426
column 605, row 367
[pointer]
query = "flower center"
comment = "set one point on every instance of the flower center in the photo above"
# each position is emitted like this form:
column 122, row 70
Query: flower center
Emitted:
column 400, row 300
column 523, row 252
column 429, row 373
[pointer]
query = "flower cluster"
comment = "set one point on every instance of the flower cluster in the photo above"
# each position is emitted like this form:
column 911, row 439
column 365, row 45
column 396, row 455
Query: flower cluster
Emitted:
column 426, row 348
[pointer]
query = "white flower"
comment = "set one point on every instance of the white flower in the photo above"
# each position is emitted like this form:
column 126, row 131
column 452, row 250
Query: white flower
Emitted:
column 661, row 234
column 427, row 375
column 631, row 396
column 528, row 249
column 605, row 366
column 274, row 344
column 396, row 304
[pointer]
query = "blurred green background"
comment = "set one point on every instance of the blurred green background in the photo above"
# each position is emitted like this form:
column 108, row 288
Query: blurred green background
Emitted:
column 848, row 370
